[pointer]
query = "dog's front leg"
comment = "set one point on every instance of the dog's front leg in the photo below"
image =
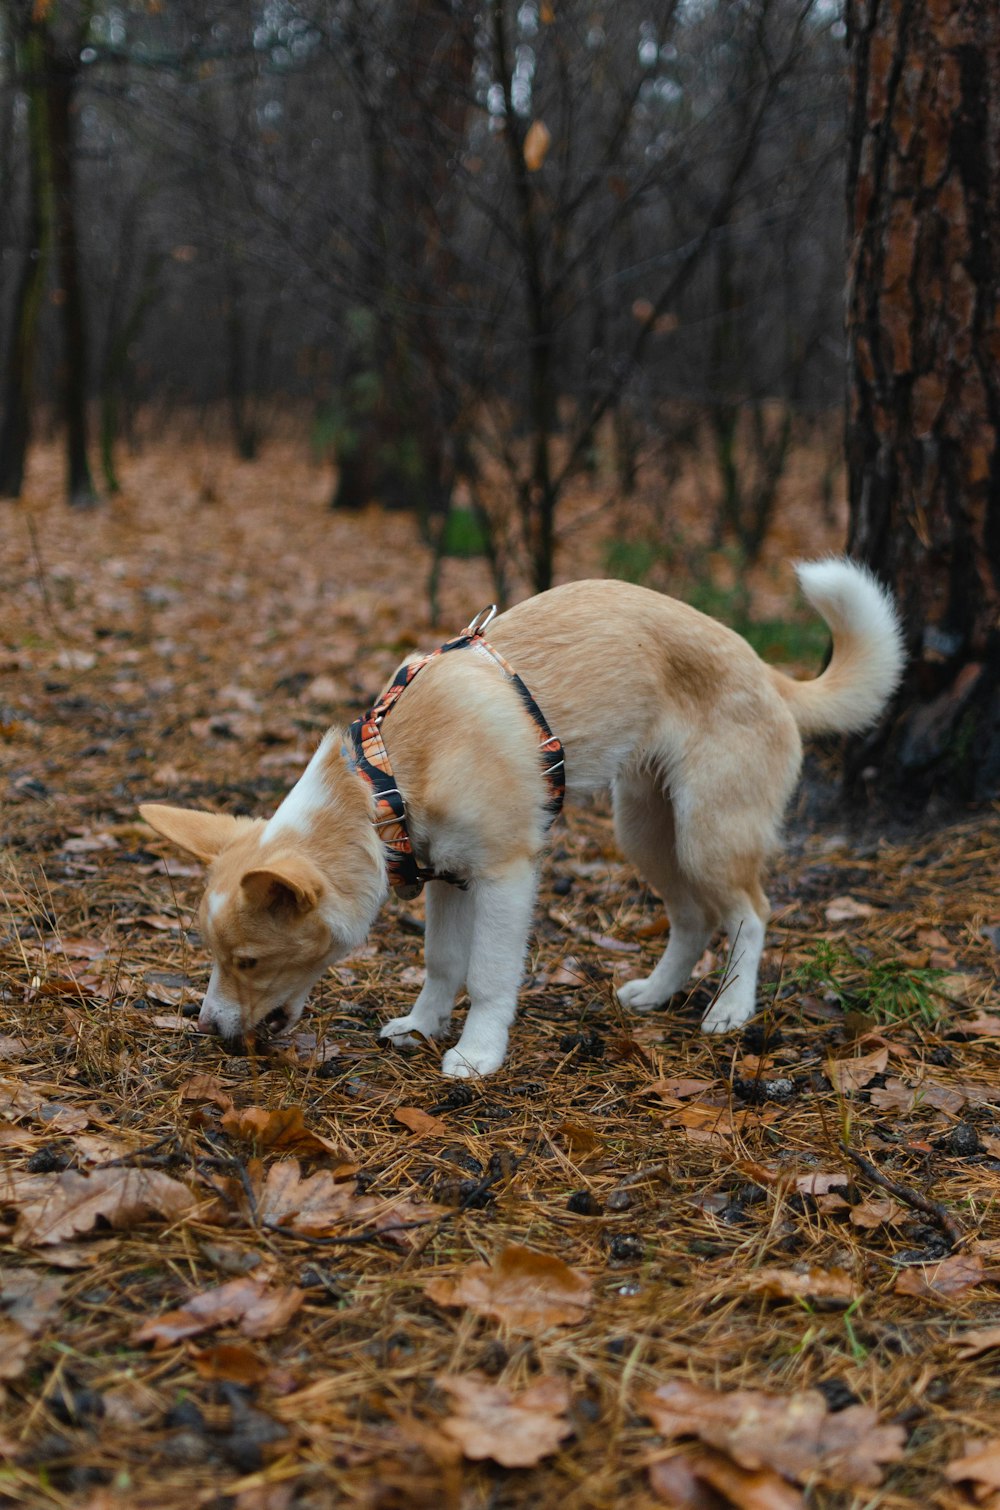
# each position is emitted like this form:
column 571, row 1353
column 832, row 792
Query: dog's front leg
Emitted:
column 447, row 945
column 502, row 908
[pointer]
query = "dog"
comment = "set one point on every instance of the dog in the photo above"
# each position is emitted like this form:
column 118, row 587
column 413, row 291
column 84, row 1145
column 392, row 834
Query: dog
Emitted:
column 699, row 740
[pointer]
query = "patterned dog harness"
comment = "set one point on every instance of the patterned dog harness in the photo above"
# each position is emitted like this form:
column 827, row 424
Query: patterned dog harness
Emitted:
column 365, row 750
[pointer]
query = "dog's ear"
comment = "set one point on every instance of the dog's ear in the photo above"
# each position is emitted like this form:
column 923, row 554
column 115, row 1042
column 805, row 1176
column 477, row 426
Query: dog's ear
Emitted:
column 203, row 835
column 289, row 882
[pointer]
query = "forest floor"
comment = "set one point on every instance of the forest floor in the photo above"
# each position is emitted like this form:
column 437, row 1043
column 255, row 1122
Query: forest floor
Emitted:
column 638, row 1266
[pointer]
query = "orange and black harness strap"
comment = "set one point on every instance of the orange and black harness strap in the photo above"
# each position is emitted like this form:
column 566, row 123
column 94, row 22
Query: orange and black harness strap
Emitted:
column 365, row 751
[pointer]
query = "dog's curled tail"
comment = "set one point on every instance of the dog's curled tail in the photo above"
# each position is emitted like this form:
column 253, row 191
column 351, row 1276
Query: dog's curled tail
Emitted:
column 868, row 656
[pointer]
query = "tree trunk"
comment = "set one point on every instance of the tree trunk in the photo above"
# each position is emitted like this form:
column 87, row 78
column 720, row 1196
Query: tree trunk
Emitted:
column 923, row 430
column 19, row 367
column 62, row 68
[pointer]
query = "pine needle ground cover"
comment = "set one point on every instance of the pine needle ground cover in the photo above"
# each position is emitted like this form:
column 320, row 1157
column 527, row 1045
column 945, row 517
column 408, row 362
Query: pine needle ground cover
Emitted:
column 636, row 1267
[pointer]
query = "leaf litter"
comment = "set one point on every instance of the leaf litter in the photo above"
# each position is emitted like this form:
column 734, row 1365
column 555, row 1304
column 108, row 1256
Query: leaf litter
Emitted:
column 320, row 1273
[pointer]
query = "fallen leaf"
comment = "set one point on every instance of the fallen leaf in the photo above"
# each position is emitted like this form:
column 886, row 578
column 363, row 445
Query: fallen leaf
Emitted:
column 941, row 1281
column 978, row 1340
column 229, row 1360
column 844, row 909
column 30, row 1297
column 528, row 1291
column 795, row 1434
column 877, row 1212
column 206, row 1088
column 680, row 1482
column 252, row 1304
column 320, row 1205
column 896, row 1095
column 793, row 1284
column 983, row 1025
column 421, row 1123
column 283, row 1129
column 515, row 1430
column 847, row 1075
column 15, row 1345
column 980, row 1464
column 817, row 1183
column 70, row 1203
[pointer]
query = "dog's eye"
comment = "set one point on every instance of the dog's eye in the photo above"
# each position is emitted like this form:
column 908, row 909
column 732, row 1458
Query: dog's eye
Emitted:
column 246, row 964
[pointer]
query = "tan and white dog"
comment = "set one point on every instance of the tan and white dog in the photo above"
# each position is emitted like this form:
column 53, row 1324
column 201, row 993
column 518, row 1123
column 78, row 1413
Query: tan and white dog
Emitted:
column 698, row 739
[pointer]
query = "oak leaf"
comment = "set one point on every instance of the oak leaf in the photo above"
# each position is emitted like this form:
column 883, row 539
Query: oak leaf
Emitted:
column 515, row 1430
column 69, row 1203
column 320, row 1205
column 796, row 1434
column 281, row 1129
column 941, row 1281
column 978, row 1340
column 680, row 1482
column 528, row 1291
column 793, row 1284
column 419, row 1122
column 257, row 1308
column 847, row 1075
column 980, row 1464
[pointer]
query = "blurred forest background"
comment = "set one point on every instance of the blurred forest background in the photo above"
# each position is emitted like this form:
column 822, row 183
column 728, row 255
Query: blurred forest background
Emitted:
column 445, row 237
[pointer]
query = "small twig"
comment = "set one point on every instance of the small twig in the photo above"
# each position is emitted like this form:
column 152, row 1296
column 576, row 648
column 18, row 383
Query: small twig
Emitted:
column 912, row 1198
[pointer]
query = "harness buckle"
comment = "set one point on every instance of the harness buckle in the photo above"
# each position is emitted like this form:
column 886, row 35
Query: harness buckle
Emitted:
column 482, row 621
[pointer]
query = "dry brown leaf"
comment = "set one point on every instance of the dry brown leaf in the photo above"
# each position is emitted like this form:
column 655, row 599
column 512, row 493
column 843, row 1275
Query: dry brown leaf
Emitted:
column 793, row 1284
column 978, row 1340
column 15, row 1345
column 942, row 1281
column 844, row 909
column 527, row 1291
column 283, row 1129
column 69, row 1203
column 680, row 1482
column 515, row 1430
column 847, row 1075
column 877, row 1212
column 320, row 1205
column 983, row 1025
column 796, row 1434
column 820, row 1183
column 233, row 1361
column 252, row 1304
column 420, row 1122
column 537, row 140
column 30, row 1297
column 896, row 1095
column 206, row 1088
column 980, row 1464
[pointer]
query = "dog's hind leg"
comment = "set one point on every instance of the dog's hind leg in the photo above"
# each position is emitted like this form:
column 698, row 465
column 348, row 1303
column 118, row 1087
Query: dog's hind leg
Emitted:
column 502, row 905
column 645, row 824
column 446, row 955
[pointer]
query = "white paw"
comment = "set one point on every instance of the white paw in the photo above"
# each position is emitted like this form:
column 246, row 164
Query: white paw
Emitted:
column 466, row 1066
column 725, row 1016
column 641, row 995
column 402, row 1031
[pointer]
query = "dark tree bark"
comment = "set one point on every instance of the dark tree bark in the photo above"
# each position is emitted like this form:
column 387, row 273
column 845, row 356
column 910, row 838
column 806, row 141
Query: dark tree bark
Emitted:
column 62, row 66
column 923, row 434
column 19, row 365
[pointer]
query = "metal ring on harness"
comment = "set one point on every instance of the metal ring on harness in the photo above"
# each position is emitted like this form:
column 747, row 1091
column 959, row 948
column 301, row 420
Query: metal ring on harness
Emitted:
column 484, row 618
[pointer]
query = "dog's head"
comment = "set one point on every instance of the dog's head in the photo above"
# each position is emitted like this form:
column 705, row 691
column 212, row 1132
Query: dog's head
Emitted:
column 271, row 917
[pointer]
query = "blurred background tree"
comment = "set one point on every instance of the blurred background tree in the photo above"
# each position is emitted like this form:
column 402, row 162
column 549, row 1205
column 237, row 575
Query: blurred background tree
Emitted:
column 481, row 245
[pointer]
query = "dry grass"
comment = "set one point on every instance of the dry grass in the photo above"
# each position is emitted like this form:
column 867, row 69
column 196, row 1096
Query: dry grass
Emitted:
column 191, row 642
